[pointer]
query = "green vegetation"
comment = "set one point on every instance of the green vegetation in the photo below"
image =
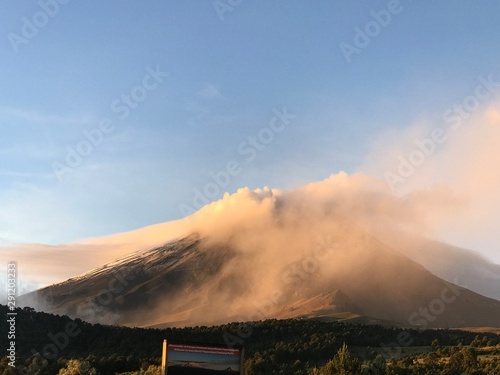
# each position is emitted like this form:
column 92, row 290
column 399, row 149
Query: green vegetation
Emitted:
column 50, row 345
column 76, row 367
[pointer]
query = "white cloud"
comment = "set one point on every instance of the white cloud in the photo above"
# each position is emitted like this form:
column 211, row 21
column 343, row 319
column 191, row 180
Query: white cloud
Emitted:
column 210, row 92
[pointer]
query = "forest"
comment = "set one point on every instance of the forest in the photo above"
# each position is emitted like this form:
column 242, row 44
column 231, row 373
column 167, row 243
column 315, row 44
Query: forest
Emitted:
column 49, row 344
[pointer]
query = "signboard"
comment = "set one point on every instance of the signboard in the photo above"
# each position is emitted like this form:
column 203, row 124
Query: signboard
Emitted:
column 201, row 359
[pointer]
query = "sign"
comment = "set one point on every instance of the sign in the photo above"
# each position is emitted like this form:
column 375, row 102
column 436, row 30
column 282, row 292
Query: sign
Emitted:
column 201, row 359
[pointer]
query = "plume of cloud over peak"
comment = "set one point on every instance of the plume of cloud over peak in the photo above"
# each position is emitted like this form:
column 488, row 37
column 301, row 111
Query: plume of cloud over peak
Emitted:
column 359, row 198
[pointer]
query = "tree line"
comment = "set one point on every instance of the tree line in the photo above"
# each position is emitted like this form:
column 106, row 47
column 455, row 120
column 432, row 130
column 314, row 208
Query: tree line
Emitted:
column 49, row 344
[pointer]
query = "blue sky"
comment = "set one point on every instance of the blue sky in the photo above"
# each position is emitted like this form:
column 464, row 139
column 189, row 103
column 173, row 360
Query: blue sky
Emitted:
column 229, row 71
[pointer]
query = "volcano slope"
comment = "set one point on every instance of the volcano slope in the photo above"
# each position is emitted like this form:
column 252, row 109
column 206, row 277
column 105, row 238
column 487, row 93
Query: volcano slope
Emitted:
column 250, row 275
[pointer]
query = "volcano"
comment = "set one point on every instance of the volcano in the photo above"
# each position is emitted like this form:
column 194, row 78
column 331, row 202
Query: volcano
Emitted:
column 335, row 271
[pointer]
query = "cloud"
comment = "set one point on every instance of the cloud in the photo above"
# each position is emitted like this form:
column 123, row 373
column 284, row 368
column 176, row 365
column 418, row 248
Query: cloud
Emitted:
column 465, row 162
column 358, row 198
column 210, row 92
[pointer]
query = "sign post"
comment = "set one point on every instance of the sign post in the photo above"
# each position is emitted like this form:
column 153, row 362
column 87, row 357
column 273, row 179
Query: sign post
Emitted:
column 164, row 358
column 201, row 359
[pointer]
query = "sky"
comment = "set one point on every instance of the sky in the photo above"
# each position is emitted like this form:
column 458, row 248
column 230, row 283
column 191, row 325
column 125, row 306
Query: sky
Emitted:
column 117, row 115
